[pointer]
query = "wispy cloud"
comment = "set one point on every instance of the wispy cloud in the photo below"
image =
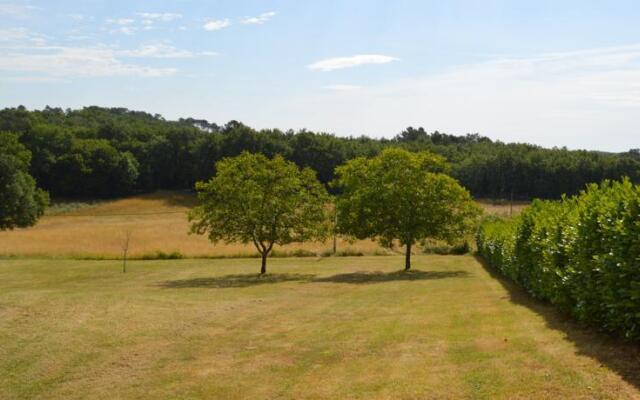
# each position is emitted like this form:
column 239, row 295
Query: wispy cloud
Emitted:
column 80, row 17
column 164, row 17
column 331, row 64
column 11, row 34
column 59, row 61
column 161, row 50
column 216, row 24
column 342, row 87
column 33, row 79
column 22, row 37
column 123, row 25
column 551, row 99
column 16, row 9
column 260, row 19
column 120, row 21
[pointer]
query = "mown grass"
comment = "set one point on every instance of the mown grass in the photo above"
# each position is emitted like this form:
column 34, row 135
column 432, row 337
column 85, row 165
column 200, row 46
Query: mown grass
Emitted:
column 158, row 225
column 313, row 328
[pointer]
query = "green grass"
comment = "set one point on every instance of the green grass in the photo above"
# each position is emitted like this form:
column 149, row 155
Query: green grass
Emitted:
column 339, row 328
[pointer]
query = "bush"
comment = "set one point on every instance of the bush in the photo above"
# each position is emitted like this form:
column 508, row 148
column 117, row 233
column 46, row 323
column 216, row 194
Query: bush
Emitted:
column 161, row 255
column 294, row 253
column 581, row 254
column 443, row 248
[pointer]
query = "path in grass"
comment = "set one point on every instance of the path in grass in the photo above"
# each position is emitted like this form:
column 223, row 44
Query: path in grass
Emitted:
column 330, row 328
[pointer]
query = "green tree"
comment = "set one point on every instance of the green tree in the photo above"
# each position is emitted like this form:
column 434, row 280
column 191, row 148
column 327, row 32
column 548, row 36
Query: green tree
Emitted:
column 402, row 196
column 21, row 203
column 254, row 199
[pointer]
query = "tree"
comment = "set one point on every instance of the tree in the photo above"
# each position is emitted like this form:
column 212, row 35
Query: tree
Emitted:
column 254, row 199
column 21, row 203
column 402, row 196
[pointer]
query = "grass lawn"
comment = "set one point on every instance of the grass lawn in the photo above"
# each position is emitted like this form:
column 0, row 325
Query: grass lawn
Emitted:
column 330, row 328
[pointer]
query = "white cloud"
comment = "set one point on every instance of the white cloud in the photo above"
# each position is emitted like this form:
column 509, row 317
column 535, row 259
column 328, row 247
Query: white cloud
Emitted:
column 581, row 99
column 164, row 17
column 159, row 50
column 58, row 61
column 120, row 21
column 21, row 36
column 17, row 10
column 79, row 17
column 260, row 19
column 127, row 30
column 12, row 34
column 215, row 25
column 331, row 64
column 342, row 87
column 33, row 79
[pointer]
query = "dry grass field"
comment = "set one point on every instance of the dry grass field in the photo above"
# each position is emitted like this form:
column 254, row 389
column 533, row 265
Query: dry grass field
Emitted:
column 503, row 208
column 157, row 222
column 328, row 328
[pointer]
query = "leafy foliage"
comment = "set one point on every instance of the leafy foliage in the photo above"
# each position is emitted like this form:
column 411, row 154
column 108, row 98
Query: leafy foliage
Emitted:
column 108, row 152
column 254, row 199
column 581, row 254
column 21, row 203
column 402, row 196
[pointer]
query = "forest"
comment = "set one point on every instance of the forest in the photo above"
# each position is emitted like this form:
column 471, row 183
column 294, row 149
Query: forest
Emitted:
column 110, row 152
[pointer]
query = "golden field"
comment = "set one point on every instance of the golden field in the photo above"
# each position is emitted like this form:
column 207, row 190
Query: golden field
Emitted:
column 157, row 222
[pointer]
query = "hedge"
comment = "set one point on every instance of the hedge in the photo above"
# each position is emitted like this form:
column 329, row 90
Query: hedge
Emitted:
column 581, row 253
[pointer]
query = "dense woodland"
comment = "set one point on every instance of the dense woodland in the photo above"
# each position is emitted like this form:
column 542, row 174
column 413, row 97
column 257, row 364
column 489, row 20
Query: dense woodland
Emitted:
column 109, row 152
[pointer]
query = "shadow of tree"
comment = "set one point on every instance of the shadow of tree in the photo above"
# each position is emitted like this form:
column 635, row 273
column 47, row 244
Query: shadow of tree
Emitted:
column 234, row 281
column 377, row 276
column 609, row 351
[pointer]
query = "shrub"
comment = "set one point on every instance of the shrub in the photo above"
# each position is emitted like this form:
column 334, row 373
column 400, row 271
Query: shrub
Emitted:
column 161, row 255
column 349, row 253
column 443, row 248
column 581, row 254
column 294, row 253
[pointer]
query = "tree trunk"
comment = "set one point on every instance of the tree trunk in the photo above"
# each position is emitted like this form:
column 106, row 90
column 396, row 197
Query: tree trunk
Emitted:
column 124, row 262
column 407, row 258
column 263, row 268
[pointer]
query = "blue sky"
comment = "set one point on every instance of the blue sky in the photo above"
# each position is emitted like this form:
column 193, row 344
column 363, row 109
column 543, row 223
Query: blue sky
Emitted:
column 554, row 73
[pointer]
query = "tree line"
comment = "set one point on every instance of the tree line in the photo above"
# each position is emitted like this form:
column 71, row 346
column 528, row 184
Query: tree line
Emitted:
column 109, row 152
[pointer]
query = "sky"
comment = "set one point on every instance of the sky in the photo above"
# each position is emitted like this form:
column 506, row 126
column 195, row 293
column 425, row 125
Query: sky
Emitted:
column 552, row 73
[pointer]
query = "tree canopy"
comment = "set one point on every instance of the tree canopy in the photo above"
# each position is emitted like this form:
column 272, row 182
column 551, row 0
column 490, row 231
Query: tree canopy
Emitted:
column 21, row 202
column 266, row 202
column 108, row 152
column 402, row 196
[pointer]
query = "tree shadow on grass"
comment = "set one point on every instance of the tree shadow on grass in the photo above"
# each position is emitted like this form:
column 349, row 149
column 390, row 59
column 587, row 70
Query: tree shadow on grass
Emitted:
column 378, row 277
column 235, row 281
column 608, row 350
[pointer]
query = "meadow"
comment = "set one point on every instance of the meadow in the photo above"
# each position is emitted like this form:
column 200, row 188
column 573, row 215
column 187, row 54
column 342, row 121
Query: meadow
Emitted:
column 158, row 223
column 338, row 327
